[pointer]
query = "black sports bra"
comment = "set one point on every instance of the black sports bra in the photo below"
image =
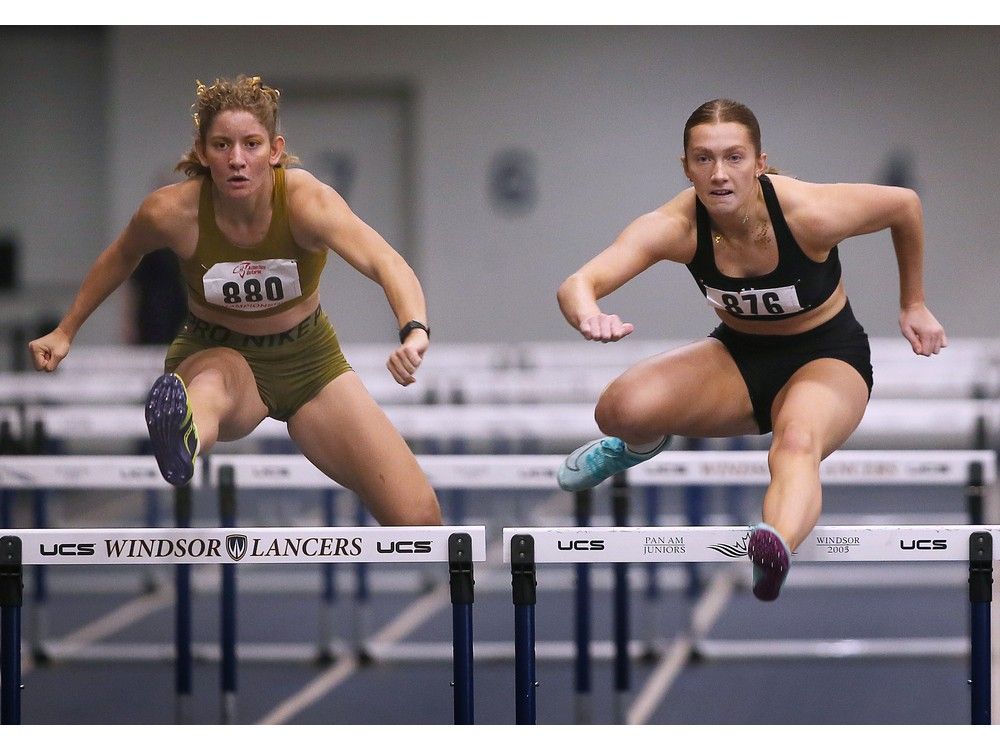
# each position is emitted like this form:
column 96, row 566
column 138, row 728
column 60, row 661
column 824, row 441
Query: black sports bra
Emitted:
column 796, row 285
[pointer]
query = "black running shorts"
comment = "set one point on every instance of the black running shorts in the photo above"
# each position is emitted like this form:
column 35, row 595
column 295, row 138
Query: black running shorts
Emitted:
column 768, row 362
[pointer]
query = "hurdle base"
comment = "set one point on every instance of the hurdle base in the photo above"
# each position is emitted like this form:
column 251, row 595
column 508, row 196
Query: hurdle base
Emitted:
column 849, row 648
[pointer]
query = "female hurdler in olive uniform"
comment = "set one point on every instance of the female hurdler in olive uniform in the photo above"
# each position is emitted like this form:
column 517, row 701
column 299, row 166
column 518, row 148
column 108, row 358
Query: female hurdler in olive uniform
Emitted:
column 252, row 237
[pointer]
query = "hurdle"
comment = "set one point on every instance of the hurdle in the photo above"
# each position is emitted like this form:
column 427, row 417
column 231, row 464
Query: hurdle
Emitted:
column 902, row 423
column 459, row 546
column 526, row 548
column 969, row 367
column 39, row 473
column 973, row 470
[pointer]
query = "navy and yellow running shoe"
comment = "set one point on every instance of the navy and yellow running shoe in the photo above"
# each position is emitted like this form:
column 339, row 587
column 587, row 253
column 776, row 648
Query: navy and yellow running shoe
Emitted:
column 591, row 464
column 172, row 432
column 771, row 559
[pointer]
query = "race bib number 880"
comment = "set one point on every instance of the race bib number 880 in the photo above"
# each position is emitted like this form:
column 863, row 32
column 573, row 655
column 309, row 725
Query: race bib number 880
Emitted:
column 781, row 300
column 252, row 285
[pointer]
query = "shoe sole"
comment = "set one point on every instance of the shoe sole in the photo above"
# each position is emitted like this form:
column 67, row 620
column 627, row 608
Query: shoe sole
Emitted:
column 769, row 558
column 168, row 418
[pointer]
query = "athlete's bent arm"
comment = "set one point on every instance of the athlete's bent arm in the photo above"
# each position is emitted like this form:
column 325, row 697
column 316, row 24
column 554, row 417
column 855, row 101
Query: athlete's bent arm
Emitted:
column 321, row 214
column 852, row 210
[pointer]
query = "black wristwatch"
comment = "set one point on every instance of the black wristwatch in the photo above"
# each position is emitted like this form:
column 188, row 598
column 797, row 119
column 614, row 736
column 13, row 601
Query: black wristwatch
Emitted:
column 410, row 327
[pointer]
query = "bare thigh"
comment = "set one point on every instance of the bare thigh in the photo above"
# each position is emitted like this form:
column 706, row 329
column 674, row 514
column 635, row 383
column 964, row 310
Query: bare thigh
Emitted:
column 695, row 391
column 349, row 438
column 823, row 402
column 222, row 393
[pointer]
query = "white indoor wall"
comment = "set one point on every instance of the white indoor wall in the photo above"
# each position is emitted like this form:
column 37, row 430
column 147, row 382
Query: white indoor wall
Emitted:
column 53, row 170
column 602, row 109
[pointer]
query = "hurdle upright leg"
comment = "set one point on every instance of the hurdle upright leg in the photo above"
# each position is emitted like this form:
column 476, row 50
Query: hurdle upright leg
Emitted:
column 462, row 599
column 11, row 599
column 183, row 669
column 522, row 564
column 362, row 598
column 980, row 596
column 329, row 597
column 620, row 512
column 40, row 589
column 227, row 507
column 652, row 620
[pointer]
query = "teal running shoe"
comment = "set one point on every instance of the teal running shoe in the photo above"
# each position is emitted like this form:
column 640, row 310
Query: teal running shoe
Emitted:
column 172, row 431
column 591, row 464
column 771, row 560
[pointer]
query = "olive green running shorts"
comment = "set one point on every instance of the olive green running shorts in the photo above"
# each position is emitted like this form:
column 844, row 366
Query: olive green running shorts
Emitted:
column 289, row 367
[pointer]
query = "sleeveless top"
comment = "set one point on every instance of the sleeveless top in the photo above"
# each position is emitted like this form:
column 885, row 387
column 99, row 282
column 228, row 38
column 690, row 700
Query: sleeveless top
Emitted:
column 254, row 281
column 797, row 284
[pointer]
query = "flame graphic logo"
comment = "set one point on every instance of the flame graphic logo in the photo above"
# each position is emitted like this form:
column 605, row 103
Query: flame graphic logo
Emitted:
column 732, row 550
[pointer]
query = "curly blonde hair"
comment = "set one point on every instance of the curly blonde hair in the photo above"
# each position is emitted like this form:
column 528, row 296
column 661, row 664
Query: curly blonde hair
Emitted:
column 247, row 93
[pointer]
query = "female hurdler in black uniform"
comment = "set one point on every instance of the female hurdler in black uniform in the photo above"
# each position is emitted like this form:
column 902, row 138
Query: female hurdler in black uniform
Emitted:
column 788, row 357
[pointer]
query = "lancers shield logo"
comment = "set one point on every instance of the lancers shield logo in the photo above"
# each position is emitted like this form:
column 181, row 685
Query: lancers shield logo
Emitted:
column 236, row 546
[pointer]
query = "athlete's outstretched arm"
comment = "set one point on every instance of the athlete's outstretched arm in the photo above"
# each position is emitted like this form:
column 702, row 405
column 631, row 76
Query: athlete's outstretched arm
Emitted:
column 111, row 269
column 652, row 237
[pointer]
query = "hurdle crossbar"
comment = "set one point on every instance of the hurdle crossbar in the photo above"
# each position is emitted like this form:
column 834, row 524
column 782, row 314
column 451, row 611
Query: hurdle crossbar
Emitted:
column 918, row 422
column 634, row 544
column 459, row 546
column 246, row 545
column 671, row 468
column 525, row 548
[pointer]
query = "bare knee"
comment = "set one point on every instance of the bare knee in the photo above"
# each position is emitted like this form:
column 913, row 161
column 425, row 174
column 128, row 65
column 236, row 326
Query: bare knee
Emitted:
column 794, row 441
column 619, row 412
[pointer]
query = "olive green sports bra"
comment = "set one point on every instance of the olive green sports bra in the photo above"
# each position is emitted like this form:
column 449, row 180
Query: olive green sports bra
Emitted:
column 255, row 281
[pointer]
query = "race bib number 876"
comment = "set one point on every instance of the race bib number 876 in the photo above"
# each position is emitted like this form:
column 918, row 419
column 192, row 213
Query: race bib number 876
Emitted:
column 781, row 300
column 252, row 285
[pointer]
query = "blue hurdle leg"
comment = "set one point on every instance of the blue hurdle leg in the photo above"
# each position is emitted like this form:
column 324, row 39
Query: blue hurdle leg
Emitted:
column 10, row 664
column 40, row 590
column 329, row 596
column 227, row 635
column 620, row 492
column 183, row 675
column 362, row 598
column 524, row 590
column 462, row 598
column 980, row 596
column 11, row 599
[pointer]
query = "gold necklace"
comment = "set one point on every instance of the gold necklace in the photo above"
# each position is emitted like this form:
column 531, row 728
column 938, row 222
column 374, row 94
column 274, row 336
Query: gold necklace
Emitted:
column 760, row 235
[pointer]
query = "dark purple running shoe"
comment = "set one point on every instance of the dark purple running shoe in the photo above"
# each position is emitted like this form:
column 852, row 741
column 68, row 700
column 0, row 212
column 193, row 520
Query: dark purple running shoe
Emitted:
column 771, row 559
column 171, row 429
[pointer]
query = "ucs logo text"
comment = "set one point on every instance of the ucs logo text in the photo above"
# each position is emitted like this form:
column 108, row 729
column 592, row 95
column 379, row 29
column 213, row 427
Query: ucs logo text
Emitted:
column 68, row 549
column 422, row 547
column 581, row 545
column 923, row 544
